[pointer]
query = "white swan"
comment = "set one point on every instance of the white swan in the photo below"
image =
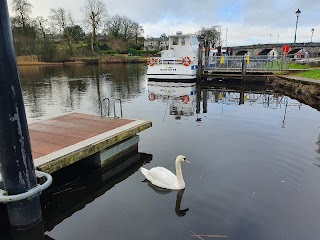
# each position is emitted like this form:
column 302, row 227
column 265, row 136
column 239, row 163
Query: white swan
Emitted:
column 162, row 177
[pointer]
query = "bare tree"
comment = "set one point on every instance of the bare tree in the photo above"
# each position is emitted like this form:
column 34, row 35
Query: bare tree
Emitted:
column 94, row 13
column 127, row 29
column 23, row 10
column 212, row 35
column 124, row 29
column 60, row 21
column 114, row 26
column 41, row 23
column 137, row 31
column 58, row 17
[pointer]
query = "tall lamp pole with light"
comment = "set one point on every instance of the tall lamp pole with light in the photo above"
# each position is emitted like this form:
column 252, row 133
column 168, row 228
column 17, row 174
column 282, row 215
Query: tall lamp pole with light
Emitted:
column 226, row 40
column 270, row 38
column 295, row 34
column 312, row 30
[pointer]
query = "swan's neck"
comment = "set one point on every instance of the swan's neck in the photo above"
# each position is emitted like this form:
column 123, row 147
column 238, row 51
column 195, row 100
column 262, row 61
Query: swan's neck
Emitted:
column 180, row 180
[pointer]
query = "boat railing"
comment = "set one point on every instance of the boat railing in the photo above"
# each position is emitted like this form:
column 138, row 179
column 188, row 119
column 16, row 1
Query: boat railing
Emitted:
column 174, row 61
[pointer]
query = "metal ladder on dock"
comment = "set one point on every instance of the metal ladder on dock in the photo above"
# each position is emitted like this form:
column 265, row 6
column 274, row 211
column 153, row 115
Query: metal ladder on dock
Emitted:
column 107, row 107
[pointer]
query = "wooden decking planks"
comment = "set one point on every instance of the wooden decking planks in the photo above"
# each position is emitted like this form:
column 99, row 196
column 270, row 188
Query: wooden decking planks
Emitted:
column 60, row 141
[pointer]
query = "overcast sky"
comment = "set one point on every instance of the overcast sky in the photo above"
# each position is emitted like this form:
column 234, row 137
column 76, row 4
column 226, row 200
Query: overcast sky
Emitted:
column 247, row 21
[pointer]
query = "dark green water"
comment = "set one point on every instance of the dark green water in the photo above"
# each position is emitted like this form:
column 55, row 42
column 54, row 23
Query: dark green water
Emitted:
column 254, row 171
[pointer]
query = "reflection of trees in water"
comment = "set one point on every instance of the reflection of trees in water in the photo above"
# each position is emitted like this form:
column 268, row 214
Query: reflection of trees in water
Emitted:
column 34, row 85
column 126, row 80
column 122, row 81
column 64, row 89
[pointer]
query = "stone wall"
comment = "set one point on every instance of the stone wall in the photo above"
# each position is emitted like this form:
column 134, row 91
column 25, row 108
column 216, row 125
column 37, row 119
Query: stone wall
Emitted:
column 308, row 93
column 312, row 48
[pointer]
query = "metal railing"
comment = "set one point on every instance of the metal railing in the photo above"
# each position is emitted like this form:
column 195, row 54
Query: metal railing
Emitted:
column 246, row 63
column 107, row 107
column 5, row 197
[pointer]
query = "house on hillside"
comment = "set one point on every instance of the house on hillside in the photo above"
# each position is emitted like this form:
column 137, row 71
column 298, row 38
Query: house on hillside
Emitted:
column 151, row 44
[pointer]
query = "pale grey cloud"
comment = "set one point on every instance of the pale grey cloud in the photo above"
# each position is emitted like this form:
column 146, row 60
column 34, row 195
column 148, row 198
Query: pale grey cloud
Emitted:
column 248, row 21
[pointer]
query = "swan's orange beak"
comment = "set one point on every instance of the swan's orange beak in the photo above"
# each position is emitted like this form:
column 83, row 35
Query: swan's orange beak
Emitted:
column 186, row 161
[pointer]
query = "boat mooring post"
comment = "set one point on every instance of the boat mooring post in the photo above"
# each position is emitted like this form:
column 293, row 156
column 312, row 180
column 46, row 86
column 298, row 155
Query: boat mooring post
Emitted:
column 241, row 99
column 243, row 69
column 199, row 72
column 205, row 101
column 17, row 169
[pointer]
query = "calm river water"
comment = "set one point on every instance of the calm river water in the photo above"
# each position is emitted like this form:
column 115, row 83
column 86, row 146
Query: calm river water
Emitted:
column 254, row 171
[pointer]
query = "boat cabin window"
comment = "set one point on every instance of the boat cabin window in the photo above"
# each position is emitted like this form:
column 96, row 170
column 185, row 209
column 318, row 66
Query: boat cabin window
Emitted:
column 183, row 41
column 194, row 40
column 175, row 41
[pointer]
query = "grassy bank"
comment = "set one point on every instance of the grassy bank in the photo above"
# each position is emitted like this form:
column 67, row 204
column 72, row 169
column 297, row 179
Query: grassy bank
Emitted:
column 294, row 65
column 101, row 58
column 308, row 70
column 312, row 73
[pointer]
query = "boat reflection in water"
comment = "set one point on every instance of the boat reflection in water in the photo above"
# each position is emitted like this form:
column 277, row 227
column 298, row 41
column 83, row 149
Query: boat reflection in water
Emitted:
column 180, row 96
column 73, row 188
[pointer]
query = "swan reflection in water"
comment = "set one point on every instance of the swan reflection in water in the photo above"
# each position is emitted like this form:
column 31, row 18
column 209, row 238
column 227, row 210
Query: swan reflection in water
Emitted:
column 179, row 212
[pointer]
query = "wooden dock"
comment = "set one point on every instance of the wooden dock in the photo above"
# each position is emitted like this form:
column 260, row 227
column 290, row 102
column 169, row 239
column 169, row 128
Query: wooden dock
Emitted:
column 59, row 142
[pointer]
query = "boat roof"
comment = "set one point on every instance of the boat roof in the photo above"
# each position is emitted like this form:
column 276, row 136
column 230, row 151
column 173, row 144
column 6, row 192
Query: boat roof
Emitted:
column 183, row 35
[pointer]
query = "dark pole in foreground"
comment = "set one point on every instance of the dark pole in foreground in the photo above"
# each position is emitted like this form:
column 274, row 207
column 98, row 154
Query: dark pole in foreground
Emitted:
column 17, row 168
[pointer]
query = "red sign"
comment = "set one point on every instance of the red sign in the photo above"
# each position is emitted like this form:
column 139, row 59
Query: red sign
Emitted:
column 285, row 48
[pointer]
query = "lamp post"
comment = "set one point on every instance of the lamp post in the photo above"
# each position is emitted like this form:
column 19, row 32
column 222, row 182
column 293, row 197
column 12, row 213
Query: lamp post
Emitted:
column 227, row 40
column 295, row 34
column 270, row 38
column 312, row 30
column 17, row 167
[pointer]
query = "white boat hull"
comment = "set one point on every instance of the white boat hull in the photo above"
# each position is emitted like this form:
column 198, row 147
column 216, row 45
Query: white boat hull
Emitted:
column 172, row 71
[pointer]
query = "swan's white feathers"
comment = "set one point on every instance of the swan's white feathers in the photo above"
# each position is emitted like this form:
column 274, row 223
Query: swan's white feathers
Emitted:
column 162, row 177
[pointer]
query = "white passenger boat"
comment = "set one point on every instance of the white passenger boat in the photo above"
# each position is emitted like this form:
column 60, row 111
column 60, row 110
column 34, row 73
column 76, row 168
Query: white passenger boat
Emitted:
column 179, row 62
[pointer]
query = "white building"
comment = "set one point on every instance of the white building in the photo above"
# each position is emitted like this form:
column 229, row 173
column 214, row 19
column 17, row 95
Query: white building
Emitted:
column 152, row 44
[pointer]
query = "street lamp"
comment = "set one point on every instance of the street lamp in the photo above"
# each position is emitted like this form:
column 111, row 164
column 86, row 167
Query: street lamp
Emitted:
column 270, row 38
column 295, row 34
column 312, row 30
column 227, row 41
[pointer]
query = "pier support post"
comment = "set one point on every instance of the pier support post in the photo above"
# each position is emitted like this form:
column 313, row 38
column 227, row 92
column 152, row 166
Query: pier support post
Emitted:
column 243, row 69
column 17, row 167
column 198, row 99
column 199, row 73
column 205, row 101
column 241, row 99
column 206, row 55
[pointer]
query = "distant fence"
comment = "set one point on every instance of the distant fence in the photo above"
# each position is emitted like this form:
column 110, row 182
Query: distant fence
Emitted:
column 27, row 59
